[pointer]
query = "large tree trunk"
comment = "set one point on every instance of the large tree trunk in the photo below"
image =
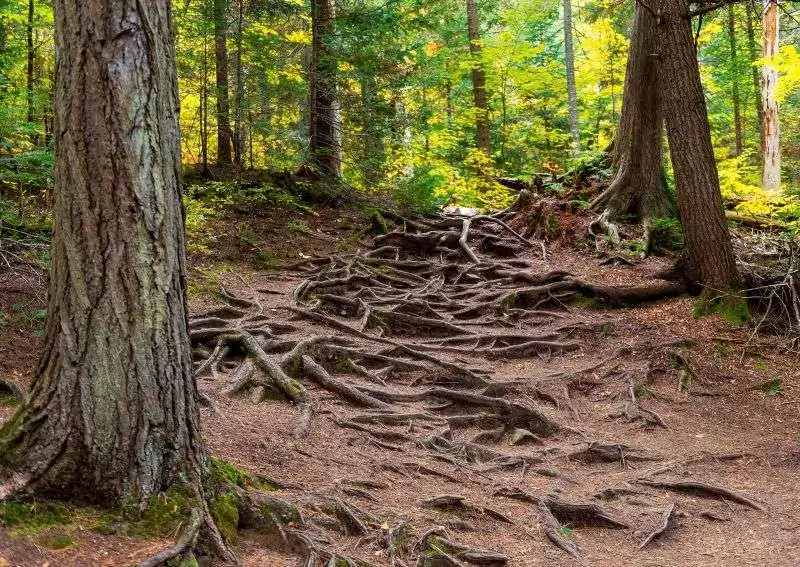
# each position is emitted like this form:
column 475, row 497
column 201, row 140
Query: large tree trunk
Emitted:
column 112, row 414
column 769, row 85
column 572, row 92
column 737, row 113
column 638, row 187
column 224, row 134
column 709, row 253
column 325, row 149
column 482, row 134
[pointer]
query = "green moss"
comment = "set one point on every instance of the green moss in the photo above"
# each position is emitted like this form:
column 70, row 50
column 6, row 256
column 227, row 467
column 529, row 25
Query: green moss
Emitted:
column 30, row 518
column 55, row 538
column 224, row 472
column 9, row 400
column 378, row 222
column 226, row 514
column 161, row 515
column 730, row 304
column 281, row 512
column 587, row 302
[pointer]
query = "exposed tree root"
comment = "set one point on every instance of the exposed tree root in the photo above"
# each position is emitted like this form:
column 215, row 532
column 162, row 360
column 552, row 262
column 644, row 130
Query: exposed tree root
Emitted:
column 702, row 489
column 666, row 523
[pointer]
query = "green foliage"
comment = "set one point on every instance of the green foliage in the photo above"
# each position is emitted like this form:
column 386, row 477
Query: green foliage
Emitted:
column 565, row 530
column 420, row 191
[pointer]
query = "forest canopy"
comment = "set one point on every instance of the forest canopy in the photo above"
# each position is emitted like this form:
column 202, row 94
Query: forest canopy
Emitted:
column 405, row 108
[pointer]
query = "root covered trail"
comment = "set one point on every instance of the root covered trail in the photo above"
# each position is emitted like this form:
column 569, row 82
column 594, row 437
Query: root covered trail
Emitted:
column 396, row 350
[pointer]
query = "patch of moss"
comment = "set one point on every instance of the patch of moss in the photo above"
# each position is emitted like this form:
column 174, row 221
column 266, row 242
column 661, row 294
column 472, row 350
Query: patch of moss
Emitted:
column 55, row 538
column 378, row 222
column 10, row 400
column 224, row 472
column 30, row 518
column 730, row 304
column 281, row 512
column 162, row 514
column 225, row 512
column 587, row 302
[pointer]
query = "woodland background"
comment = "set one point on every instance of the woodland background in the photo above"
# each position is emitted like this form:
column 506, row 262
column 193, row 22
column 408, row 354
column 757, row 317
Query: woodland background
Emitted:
column 405, row 96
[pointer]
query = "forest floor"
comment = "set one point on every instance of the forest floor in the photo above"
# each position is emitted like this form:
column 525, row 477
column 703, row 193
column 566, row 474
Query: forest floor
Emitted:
column 508, row 413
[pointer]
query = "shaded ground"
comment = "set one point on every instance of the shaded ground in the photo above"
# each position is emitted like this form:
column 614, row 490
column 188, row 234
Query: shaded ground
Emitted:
column 729, row 424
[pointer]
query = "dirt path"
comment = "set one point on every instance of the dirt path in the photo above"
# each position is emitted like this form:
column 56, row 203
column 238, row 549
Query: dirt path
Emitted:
column 419, row 407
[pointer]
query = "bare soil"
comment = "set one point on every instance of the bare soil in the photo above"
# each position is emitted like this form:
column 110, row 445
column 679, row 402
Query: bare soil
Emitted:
column 707, row 381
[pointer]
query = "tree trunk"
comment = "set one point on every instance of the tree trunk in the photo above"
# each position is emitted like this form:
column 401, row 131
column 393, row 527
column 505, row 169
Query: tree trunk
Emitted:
column 112, row 415
column 753, row 52
column 572, row 93
column 482, row 135
column 709, row 253
column 769, row 83
column 638, row 187
column 325, row 149
column 224, row 135
column 238, row 73
column 737, row 114
column 30, row 73
column 204, row 109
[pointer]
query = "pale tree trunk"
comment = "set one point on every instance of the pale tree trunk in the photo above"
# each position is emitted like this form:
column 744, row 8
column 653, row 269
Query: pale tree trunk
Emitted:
column 709, row 254
column 769, row 84
column 482, row 133
column 638, row 187
column 737, row 114
column 753, row 53
column 572, row 93
column 325, row 148
column 224, row 134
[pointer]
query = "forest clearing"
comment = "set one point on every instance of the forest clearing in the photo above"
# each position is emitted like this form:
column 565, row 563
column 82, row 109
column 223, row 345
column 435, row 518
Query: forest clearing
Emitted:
column 362, row 283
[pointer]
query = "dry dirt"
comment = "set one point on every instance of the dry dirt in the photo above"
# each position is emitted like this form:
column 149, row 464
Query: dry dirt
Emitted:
column 721, row 429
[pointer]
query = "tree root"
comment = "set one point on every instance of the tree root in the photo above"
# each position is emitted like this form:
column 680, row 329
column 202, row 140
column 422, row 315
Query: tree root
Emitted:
column 702, row 489
column 666, row 523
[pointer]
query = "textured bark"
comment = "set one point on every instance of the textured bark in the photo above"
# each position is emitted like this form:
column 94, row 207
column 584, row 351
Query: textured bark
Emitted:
column 753, row 52
column 482, row 133
column 638, row 187
column 374, row 149
column 325, row 144
column 769, row 86
column 112, row 414
column 572, row 93
column 224, row 134
column 737, row 113
column 709, row 253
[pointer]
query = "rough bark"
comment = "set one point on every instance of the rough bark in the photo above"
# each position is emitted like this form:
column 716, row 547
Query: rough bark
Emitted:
column 224, row 134
column 709, row 253
column 325, row 149
column 112, row 414
column 638, row 187
column 482, row 133
column 769, row 85
column 737, row 113
column 371, row 121
column 569, row 57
